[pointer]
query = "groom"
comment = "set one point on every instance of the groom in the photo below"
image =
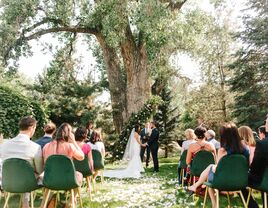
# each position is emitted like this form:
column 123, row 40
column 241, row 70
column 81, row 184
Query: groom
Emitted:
column 154, row 145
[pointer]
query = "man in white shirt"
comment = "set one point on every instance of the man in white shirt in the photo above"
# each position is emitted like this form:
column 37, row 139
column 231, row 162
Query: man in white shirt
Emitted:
column 22, row 147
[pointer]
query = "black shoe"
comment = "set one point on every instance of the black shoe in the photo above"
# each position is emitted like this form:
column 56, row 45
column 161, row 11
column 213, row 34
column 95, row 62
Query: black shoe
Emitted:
column 188, row 192
column 156, row 171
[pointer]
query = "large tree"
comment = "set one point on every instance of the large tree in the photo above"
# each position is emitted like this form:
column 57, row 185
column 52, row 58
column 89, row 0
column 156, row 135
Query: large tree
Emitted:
column 129, row 33
column 250, row 80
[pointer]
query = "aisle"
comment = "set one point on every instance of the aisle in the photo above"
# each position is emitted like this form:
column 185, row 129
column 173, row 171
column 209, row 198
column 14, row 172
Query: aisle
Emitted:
column 152, row 190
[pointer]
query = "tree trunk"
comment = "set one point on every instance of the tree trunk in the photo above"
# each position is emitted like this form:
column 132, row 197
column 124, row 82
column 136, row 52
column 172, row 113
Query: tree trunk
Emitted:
column 117, row 84
column 135, row 62
column 166, row 151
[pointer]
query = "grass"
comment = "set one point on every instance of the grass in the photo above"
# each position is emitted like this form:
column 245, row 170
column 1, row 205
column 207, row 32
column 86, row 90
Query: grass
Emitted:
column 152, row 190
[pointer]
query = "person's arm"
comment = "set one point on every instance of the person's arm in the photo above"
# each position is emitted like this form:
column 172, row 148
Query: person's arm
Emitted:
column 77, row 151
column 137, row 137
column 38, row 161
column 90, row 160
column 221, row 152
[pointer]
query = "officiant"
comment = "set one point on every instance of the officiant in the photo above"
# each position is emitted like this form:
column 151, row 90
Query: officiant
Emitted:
column 145, row 134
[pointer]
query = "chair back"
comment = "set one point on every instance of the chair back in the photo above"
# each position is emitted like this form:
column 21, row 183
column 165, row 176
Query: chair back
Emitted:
column 59, row 173
column 18, row 176
column 264, row 183
column 200, row 162
column 98, row 160
column 182, row 162
column 83, row 166
column 231, row 173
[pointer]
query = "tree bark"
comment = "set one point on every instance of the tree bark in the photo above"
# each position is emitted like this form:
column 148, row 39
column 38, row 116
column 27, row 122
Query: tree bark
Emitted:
column 135, row 62
column 117, row 84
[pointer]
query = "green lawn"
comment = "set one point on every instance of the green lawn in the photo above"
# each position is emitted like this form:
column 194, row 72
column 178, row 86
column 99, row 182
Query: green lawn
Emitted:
column 152, row 190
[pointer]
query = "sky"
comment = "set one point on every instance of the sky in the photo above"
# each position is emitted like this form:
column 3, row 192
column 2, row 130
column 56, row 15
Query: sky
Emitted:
column 35, row 64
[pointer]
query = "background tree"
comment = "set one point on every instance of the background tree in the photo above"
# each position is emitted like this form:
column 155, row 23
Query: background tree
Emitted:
column 250, row 69
column 130, row 34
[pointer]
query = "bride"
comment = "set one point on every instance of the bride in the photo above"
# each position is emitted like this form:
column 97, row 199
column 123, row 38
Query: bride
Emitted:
column 132, row 155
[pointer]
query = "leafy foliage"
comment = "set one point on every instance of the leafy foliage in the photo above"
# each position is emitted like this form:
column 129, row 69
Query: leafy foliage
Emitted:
column 251, row 68
column 14, row 106
column 167, row 118
column 140, row 118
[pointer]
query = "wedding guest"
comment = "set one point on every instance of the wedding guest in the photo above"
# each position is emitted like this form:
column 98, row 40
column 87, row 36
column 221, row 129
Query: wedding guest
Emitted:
column 22, row 147
column 49, row 130
column 64, row 144
column 144, row 134
column 80, row 137
column 90, row 128
column 259, row 164
column 262, row 132
column 246, row 135
column 96, row 143
column 230, row 144
column 200, row 144
column 190, row 138
column 210, row 136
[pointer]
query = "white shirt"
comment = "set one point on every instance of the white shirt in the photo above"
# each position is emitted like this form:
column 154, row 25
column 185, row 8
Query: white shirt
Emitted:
column 186, row 144
column 22, row 147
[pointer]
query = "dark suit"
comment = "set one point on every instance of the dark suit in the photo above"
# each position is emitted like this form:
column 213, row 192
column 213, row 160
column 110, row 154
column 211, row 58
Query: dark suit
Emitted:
column 258, row 165
column 153, row 146
column 144, row 139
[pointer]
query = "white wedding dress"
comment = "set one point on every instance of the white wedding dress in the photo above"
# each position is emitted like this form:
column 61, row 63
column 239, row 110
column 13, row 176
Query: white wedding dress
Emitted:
column 132, row 155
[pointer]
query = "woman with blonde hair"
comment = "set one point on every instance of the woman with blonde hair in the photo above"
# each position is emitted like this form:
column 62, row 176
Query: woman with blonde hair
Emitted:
column 190, row 138
column 247, row 136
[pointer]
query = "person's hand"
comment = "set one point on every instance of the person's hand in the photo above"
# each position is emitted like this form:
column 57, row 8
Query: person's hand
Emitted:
column 72, row 138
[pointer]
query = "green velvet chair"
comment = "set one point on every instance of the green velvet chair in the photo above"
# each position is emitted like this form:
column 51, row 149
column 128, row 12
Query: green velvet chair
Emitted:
column 200, row 162
column 231, row 176
column 182, row 165
column 18, row 177
column 84, row 168
column 60, row 175
column 98, row 163
column 263, row 187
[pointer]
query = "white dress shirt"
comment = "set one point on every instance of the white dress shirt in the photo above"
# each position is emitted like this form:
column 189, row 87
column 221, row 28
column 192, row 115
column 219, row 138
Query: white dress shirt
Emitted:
column 22, row 147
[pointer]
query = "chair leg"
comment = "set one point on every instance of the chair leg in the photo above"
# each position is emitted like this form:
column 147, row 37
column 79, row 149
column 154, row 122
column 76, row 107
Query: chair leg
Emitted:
column 243, row 199
column 72, row 198
column 249, row 194
column 182, row 177
column 228, row 198
column 46, row 195
column 80, row 199
column 265, row 199
column 217, row 198
column 32, row 200
column 205, row 198
column 89, row 187
column 6, row 202
column 102, row 178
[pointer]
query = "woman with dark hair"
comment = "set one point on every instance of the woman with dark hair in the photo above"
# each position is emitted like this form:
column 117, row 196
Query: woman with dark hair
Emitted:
column 132, row 156
column 230, row 144
column 200, row 144
column 80, row 137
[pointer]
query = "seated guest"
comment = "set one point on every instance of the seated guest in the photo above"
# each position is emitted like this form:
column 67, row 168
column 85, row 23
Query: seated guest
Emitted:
column 80, row 137
column 259, row 163
column 210, row 135
column 99, row 142
column 22, row 147
column 230, row 144
column 246, row 135
column 200, row 144
column 64, row 144
column 90, row 129
column 190, row 138
column 49, row 130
